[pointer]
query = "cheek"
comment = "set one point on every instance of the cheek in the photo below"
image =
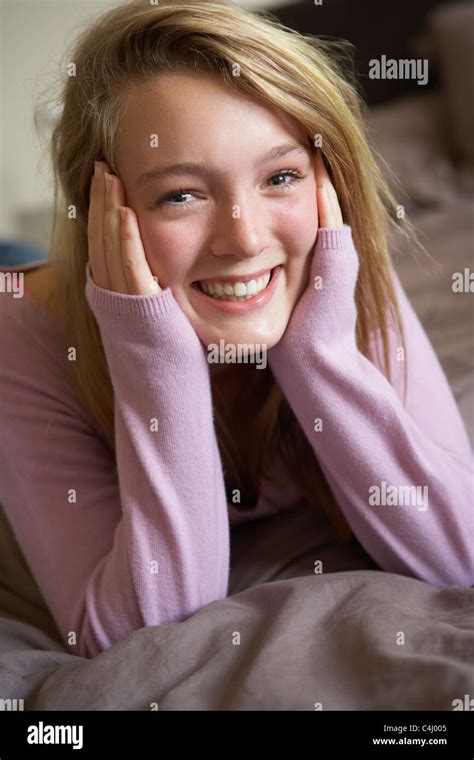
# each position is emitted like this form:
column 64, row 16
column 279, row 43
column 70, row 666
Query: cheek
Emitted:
column 306, row 213
column 296, row 223
column 167, row 249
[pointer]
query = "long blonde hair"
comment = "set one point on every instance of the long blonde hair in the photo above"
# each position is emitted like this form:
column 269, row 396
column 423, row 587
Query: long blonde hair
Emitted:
column 305, row 77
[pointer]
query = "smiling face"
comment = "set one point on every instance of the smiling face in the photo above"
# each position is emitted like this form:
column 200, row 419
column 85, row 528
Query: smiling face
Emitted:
column 242, row 214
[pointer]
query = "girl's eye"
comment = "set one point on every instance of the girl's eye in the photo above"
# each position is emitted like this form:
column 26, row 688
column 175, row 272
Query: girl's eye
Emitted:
column 170, row 198
column 292, row 173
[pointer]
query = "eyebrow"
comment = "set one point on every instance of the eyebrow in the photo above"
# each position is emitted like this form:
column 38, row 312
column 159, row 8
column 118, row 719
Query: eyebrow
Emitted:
column 279, row 151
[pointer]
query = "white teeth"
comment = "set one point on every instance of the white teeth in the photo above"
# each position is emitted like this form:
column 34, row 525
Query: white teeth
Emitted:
column 238, row 290
column 252, row 288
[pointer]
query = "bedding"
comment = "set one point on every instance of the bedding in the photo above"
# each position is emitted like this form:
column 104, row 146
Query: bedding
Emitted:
column 349, row 638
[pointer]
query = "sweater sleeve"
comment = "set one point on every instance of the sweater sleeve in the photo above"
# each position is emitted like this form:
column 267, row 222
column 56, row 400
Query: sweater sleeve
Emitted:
column 401, row 473
column 141, row 538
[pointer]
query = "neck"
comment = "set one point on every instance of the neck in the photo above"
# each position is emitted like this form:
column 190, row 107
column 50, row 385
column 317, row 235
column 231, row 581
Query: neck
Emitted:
column 227, row 380
column 236, row 388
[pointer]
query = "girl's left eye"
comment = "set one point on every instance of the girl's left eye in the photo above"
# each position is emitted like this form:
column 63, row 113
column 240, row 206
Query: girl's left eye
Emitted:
column 292, row 173
column 167, row 200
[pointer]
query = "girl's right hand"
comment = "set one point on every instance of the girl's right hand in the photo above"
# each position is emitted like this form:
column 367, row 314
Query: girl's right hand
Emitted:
column 116, row 253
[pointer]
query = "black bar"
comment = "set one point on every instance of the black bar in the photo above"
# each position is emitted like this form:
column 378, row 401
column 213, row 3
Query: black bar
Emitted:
column 324, row 734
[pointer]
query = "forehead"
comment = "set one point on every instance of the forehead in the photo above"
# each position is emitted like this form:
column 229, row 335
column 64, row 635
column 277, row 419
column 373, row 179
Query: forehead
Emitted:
column 189, row 110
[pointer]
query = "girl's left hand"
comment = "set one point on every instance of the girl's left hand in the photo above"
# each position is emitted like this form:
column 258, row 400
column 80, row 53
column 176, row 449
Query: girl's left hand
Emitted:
column 328, row 208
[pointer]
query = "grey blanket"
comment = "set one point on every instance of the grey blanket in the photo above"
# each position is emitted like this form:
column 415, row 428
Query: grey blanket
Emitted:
column 346, row 639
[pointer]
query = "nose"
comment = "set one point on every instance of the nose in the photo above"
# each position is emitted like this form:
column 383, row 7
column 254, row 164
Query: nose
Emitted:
column 239, row 231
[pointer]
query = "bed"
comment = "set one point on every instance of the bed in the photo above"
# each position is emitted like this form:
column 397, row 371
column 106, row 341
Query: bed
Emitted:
column 287, row 638
column 352, row 638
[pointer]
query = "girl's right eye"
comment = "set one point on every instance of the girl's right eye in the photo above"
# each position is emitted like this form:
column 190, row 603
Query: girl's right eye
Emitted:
column 168, row 199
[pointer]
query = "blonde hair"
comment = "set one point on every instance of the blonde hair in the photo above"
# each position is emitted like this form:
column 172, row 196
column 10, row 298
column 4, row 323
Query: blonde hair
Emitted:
column 306, row 78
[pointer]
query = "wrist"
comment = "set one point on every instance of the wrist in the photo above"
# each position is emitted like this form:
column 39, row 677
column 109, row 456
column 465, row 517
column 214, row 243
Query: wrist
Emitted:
column 334, row 238
column 124, row 304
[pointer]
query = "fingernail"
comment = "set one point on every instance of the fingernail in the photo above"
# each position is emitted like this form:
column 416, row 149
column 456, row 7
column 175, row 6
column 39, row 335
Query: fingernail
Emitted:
column 108, row 182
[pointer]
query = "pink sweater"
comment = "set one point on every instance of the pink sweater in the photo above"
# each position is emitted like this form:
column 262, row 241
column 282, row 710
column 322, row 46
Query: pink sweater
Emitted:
column 144, row 539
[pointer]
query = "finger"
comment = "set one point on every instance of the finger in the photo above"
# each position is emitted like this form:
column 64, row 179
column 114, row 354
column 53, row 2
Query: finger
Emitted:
column 317, row 178
column 330, row 211
column 325, row 210
column 140, row 280
column 95, row 230
column 114, row 197
column 336, row 212
column 324, row 206
column 322, row 176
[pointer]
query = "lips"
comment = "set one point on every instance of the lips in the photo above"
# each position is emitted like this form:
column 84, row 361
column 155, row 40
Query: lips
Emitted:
column 238, row 289
column 233, row 304
column 232, row 278
column 235, row 286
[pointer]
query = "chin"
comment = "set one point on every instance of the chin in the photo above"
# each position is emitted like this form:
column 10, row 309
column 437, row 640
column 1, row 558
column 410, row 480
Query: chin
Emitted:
column 263, row 327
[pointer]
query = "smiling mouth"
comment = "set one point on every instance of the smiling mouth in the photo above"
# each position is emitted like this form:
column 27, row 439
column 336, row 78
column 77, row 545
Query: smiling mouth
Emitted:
column 235, row 291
